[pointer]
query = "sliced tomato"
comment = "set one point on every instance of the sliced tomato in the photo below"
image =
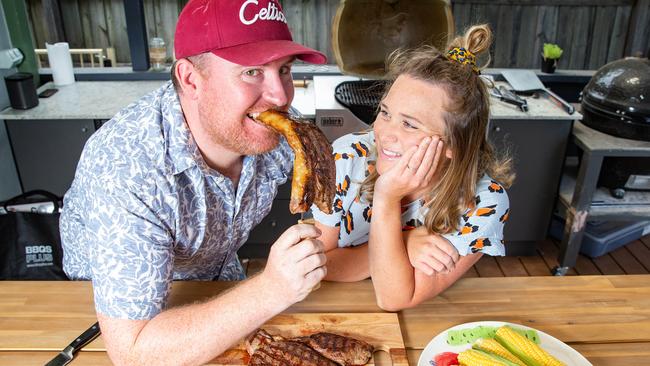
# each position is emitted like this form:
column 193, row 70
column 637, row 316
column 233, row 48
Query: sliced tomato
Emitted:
column 446, row 359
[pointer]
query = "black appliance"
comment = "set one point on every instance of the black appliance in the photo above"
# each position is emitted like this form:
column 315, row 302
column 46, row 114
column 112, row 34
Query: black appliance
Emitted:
column 361, row 97
column 616, row 101
column 21, row 90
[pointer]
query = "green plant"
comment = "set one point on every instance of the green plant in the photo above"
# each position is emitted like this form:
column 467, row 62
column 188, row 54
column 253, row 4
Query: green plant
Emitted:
column 552, row 51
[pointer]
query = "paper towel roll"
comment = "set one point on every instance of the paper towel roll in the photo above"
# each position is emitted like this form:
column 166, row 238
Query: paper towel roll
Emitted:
column 60, row 60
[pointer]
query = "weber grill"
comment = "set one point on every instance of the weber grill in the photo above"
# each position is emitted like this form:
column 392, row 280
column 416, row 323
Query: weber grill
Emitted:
column 617, row 99
column 365, row 32
column 616, row 102
column 361, row 97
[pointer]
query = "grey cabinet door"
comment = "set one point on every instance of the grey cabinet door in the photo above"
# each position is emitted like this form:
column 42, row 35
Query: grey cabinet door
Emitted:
column 47, row 151
column 272, row 226
column 538, row 148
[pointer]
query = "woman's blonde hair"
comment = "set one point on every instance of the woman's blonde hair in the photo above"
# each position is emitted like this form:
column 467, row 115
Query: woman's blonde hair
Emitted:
column 466, row 120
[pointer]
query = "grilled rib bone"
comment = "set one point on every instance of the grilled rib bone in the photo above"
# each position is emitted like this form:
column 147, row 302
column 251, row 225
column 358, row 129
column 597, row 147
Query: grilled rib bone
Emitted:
column 314, row 172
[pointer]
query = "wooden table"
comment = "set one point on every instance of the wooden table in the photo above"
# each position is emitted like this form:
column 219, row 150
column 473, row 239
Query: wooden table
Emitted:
column 606, row 318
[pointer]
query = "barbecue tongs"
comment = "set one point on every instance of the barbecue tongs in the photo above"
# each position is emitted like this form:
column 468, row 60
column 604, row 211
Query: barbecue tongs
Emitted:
column 508, row 96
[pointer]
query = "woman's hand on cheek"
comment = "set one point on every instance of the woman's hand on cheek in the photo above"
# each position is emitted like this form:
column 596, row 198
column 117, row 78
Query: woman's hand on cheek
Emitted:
column 414, row 170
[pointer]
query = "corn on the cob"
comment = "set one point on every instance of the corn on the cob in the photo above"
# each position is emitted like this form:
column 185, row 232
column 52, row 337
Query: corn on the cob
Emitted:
column 526, row 350
column 474, row 357
column 489, row 345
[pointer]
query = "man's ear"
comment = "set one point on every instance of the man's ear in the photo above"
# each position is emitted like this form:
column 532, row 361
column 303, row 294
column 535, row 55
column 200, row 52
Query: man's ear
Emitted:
column 187, row 76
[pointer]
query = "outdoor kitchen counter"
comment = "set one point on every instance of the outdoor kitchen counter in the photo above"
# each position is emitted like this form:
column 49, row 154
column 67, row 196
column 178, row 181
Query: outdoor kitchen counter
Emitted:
column 606, row 318
column 101, row 100
column 97, row 100
column 541, row 107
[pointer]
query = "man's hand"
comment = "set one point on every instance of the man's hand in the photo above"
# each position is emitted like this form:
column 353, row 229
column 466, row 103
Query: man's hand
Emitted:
column 430, row 253
column 296, row 263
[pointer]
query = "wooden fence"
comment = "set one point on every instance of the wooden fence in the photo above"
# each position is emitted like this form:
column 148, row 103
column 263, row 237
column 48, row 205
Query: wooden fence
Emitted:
column 592, row 32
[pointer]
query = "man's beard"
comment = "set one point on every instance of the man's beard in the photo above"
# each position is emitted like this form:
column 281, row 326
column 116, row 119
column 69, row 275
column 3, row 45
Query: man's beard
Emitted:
column 239, row 141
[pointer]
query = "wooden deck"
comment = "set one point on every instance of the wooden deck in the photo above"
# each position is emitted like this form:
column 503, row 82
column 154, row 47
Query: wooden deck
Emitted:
column 633, row 258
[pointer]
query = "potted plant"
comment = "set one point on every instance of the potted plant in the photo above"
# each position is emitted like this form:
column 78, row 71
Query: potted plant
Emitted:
column 551, row 54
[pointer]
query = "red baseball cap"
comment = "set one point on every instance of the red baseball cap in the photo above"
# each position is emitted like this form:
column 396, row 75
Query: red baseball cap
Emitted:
column 246, row 32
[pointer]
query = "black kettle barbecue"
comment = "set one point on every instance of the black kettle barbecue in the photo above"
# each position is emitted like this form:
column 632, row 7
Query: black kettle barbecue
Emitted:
column 616, row 101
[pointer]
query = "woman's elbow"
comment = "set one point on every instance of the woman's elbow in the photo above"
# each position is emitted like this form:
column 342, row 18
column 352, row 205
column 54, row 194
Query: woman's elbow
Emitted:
column 394, row 305
column 390, row 303
column 391, row 306
column 388, row 306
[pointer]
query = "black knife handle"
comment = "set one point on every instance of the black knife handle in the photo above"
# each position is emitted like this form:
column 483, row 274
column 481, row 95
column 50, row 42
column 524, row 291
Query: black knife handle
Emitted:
column 86, row 337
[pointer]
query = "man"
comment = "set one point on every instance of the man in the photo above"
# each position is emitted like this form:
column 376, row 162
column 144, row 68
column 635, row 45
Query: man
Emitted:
column 171, row 187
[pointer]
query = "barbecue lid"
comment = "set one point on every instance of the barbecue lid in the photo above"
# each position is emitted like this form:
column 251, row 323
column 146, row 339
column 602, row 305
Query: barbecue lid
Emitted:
column 621, row 89
column 364, row 32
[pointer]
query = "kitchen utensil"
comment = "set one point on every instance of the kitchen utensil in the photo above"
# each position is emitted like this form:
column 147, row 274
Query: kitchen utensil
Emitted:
column 382, row 330
column 65, row 356
column 507, row 96
column 526, row 81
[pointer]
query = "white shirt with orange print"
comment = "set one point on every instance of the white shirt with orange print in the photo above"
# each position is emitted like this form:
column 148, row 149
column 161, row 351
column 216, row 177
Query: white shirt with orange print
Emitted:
column 481, row 227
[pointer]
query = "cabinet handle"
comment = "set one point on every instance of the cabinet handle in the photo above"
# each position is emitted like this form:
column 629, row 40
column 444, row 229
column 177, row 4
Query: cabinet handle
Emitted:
column 497, row 129
column 84, row 129
column 274, row 223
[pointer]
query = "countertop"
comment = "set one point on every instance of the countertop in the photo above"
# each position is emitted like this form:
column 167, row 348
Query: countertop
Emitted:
column 84, row 100
column 539, row 108
column 605, row 318
column 103, row 99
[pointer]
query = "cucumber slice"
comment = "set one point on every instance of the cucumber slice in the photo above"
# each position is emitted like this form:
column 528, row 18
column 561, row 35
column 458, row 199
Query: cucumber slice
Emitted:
column 468, row 335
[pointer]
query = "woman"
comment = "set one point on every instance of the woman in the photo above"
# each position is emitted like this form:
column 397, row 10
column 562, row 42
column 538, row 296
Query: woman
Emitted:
column 421, row 197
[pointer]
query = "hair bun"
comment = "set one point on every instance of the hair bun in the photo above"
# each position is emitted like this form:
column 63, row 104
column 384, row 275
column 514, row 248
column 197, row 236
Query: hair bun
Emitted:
column 477, row 39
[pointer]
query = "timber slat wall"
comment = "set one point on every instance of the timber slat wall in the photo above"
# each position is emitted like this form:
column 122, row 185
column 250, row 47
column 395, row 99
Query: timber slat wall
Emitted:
column 592, row 32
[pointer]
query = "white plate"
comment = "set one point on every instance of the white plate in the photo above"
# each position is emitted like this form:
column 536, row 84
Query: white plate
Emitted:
column 550, row 344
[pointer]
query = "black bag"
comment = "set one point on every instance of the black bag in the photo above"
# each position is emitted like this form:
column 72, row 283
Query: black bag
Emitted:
column 30, row 244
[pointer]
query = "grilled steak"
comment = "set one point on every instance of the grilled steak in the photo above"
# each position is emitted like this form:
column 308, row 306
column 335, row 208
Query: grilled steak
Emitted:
column 288, row 353
column 319, row 349
column 343, row 350
column 257, row 340
column 314, row 171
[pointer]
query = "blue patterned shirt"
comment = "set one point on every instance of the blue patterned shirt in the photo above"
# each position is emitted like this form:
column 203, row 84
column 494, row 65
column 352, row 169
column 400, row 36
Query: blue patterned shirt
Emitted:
column 144, row 208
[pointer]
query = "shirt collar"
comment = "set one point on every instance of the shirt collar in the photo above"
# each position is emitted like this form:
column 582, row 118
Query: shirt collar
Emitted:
column 182, row 151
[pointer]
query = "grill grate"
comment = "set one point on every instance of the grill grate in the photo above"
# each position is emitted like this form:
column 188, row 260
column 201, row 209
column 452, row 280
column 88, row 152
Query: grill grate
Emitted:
column 361, row 97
